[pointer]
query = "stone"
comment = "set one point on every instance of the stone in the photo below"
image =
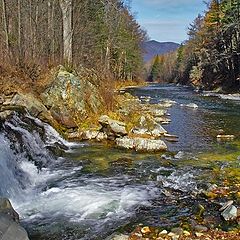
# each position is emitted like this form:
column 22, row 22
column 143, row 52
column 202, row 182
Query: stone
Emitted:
column 173, row 236
column 141, row 144
column 71, row 97
column 225, row 137
column 225, row 205
column 112, row 128
column 199, row 234
column 148, row 126
column 200, row 228
column 30, row 102
column 90, row 134
column 178, row 231
column 6, row 208
column 186, row 233
column 145, row 230
column 158, row 112
column 163, row 232
column 75, row 135
column 9, row 219
column 230, row 213
column 10, row 230
column 190, row 105
column 5, row 114
column 162, row 120
column 119, row 237
column 179, row 155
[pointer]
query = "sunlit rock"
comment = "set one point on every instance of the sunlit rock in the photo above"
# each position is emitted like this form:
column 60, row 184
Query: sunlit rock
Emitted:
column 112, row 128
column 190, row 105
column 230, row 213
column 141, row 144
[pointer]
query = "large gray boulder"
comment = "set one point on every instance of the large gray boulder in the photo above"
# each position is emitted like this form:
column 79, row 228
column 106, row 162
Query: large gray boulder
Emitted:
column 141, row 144
column 9, row 219
column 10, row 230
column 71, row 97
column 112, row 128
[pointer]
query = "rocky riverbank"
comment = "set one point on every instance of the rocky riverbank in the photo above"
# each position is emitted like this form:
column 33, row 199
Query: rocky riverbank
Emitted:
column 73, row 105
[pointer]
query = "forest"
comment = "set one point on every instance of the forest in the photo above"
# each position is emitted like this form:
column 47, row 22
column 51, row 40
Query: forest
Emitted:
column 101, row 35
column 210, row 58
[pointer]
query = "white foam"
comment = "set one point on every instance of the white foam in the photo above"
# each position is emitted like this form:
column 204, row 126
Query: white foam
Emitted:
column 84, row 202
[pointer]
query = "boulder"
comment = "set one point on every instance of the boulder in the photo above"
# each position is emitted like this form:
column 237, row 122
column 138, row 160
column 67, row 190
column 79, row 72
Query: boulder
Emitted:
column 141, row 144
column 9, row 219
column 10, row 230
column 112, row 128
column 148, row 126
column 6, row 208
column 71, row 97
column 230, row 213
column 30, row 102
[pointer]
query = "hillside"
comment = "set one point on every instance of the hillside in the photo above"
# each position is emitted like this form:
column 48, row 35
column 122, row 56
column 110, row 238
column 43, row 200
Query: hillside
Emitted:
column 152, row 48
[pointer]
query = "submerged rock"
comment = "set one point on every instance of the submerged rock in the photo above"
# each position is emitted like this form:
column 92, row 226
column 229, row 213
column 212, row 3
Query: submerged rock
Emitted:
column 141, row 144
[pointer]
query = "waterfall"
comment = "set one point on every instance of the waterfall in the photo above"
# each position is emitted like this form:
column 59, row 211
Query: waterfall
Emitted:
column 24, row 143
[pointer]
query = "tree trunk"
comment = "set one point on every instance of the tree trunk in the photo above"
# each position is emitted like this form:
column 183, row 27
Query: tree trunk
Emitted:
column 66, row 7
column 19, row 31
column 5, row 25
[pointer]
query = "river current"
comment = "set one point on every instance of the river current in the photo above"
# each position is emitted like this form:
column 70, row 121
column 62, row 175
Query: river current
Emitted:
column 86, row 191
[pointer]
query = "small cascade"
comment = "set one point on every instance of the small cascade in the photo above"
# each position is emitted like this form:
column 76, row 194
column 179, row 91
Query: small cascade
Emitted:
column 24, row 154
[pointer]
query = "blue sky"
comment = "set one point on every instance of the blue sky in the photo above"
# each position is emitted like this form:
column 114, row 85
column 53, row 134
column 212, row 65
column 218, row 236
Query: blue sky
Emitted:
column 167, row 20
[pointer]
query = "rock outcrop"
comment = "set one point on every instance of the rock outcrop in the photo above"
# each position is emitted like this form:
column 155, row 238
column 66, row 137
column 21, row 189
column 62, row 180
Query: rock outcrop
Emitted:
column 70, row 98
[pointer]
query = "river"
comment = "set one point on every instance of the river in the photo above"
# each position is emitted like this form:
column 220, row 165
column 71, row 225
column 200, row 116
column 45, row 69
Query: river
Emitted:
column 88, row 191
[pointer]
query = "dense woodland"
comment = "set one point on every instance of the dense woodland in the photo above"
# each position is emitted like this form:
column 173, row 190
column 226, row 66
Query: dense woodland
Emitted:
column 100, row 35
column 211, row 56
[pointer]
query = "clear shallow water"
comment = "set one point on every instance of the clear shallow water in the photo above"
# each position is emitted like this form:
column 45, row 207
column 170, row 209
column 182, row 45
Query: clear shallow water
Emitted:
column 90, row 191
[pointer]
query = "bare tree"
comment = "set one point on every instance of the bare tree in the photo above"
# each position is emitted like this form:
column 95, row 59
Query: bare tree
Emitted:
column 66, row 7
column 5, row 25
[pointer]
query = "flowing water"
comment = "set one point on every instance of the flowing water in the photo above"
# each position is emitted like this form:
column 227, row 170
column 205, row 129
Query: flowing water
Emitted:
column 75, row 191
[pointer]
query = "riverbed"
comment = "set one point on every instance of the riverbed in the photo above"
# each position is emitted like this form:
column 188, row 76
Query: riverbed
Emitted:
column 90, row 191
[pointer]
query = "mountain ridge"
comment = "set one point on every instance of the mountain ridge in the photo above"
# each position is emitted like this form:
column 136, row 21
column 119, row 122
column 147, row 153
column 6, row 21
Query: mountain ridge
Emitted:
column 152, row 48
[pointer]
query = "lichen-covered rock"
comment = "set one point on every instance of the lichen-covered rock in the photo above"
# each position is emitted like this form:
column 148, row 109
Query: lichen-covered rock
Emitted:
column 141, row 144
column 112, row 128
column 148, row 126
column 71, row 97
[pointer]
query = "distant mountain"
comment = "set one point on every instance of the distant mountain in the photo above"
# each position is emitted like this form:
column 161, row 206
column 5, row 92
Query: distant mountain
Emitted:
column 153, row 48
